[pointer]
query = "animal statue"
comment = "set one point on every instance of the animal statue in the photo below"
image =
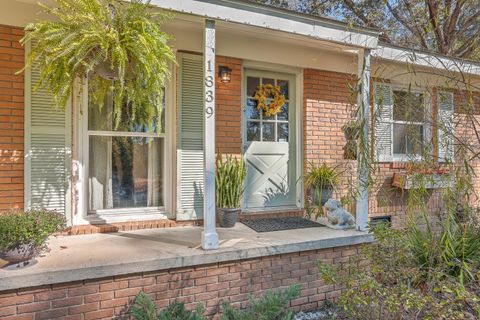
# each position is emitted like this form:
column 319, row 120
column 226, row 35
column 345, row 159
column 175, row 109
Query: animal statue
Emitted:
column 338, row 216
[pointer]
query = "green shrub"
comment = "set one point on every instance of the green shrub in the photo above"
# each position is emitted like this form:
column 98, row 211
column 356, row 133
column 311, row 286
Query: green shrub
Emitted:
column 229, row 182
column 33, row 226
column 270, row 306
column 395, row 278
column 145, row 309
column 454, row 250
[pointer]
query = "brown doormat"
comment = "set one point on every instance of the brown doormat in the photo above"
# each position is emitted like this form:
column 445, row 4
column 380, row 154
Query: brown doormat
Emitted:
column 277, row 224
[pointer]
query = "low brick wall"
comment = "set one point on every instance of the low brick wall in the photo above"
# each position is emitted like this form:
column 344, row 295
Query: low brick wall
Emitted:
column 110, row 297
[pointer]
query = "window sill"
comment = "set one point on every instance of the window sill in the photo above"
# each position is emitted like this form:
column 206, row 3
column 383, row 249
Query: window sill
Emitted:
column 125, row 215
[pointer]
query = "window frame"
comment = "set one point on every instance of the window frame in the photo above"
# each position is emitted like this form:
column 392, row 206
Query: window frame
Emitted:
column 405, row 157
column 83, row 134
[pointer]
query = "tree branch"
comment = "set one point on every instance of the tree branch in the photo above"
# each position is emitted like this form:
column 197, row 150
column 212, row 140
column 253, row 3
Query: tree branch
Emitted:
column 432, row 6
column 415, row 30
column 449, row 28
column 352, row 6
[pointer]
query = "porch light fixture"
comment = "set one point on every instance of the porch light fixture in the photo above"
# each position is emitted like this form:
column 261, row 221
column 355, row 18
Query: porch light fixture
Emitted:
column 224, row 73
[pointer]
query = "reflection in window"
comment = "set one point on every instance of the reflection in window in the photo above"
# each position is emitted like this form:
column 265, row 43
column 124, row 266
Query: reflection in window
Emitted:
column 252, row 111
column 408, row 122
column 260, row 127
column 125, row 172
column 253, row 131
column 125, row 161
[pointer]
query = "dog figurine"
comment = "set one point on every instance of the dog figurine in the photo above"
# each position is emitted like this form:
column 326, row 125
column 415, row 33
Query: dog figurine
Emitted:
column 338, row 216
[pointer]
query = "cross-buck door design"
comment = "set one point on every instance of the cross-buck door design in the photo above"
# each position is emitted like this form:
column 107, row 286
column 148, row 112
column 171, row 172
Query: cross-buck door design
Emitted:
column 269, row 144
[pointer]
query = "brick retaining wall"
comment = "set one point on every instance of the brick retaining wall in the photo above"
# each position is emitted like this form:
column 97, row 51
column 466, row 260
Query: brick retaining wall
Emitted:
column 109, row 297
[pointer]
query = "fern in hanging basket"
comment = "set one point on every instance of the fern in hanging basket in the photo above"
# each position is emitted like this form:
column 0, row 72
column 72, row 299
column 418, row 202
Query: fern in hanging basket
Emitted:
column 119, row 46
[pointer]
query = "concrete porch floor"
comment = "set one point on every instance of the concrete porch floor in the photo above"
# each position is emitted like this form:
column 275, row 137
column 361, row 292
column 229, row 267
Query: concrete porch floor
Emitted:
column 74, row 258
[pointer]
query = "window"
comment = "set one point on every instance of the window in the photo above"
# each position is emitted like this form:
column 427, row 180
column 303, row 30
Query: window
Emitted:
column 408, row 123
column 126, row 161
column 259, row 127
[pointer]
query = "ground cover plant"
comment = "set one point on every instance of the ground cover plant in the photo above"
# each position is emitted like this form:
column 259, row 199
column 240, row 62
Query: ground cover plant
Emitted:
column 413, row 273
column 270, row 306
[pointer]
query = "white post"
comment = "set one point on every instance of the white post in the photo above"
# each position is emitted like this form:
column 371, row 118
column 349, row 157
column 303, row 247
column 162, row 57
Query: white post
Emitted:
column 363, row 114
column 209, row 234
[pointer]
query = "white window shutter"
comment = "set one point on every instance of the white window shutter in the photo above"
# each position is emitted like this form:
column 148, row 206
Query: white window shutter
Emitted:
column 445, row 126
column 190, row 166
column 383, row 114
column 47, row 148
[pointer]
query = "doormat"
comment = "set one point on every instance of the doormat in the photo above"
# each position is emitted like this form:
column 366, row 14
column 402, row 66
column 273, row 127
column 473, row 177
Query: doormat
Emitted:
column 278, row 224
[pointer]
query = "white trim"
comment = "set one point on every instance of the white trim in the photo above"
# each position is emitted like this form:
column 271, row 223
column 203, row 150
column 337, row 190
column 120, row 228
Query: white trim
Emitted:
column 209, row 234
column 300, row 201
column 171, row 144
column 144, row 215
column 296, row 75
column 83, row 214
column 427, row 104
column 125, row 134
column 363, row 102
column 274, row 19
column 429, row 60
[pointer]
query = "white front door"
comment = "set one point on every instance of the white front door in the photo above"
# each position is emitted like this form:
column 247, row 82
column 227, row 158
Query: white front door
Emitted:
column 269, row 145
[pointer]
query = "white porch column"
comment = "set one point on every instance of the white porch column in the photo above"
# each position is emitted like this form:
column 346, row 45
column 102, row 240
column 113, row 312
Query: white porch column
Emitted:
column 363, row 114
column 209, row 234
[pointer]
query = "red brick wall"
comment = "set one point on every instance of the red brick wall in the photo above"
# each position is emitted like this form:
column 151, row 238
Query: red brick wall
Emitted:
column 234, row 281
column 327, row 107
column 11, row 118
column 228, row 108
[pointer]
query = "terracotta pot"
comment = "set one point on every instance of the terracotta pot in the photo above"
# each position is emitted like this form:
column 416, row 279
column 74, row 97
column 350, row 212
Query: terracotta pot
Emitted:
column 18, row 254
column 227, row 217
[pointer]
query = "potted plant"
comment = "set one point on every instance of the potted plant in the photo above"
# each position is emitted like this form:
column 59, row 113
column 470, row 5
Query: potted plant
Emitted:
column 229, row 185
column 22, row 234
column 117, row 45
column 423, row 175
column 320, row 182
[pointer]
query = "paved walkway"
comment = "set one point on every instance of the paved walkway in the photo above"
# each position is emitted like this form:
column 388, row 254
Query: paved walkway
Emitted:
column 93, row 256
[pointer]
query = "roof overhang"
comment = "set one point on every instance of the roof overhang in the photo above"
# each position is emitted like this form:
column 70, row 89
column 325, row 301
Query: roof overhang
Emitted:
column 424, row 59
column 248, row 13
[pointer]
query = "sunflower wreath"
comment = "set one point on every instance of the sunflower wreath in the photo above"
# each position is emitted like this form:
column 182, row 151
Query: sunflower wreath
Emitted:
column 264, row 91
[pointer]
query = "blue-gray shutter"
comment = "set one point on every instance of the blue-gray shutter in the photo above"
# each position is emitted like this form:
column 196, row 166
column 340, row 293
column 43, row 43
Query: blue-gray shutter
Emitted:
column 445, row 126
column 383, row 116
column 47, row 148
column 190, row 166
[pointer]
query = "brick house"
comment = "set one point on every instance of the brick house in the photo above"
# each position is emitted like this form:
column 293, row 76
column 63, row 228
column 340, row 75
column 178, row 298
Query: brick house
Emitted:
column 112, row 180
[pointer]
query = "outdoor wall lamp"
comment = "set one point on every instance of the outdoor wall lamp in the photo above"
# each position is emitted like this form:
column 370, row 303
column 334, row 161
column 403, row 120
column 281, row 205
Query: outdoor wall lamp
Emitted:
column 224, row 73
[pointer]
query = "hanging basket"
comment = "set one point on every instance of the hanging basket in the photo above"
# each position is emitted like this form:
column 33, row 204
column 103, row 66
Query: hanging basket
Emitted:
column 264, row 93
column 105, row 71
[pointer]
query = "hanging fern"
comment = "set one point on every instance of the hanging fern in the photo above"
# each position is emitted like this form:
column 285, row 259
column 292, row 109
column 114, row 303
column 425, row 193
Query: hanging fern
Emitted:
column 94, row 38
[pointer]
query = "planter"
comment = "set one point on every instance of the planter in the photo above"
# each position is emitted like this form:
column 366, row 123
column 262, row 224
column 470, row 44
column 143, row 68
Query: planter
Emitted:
column 320, row 196
column 227, row 217
column 19, row 254
column 407, row 181
column 104, row 70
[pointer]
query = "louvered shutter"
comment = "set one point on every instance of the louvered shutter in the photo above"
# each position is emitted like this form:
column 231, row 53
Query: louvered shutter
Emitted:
column 190, row 138
column 47, row 148
column 445, row 126
column 383, row 114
